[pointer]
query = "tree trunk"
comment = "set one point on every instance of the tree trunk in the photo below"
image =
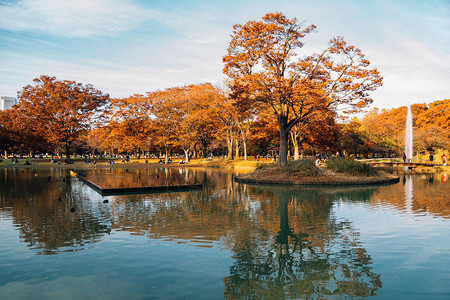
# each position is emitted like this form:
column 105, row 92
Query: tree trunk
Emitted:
column 237, row 148
column 186, row 154
column 230, row 148
column 244, row 143
column 67, row 146
column 296, row 151
column 294, row 140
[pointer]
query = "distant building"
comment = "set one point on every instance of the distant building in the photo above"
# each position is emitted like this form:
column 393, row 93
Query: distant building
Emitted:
column 7, row 102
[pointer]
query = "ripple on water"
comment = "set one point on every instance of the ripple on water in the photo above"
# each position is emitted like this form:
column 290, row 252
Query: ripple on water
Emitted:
column 226, row 240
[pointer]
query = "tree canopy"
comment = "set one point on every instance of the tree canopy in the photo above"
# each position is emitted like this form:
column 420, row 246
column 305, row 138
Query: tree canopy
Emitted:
column 60, row 110
column 261, row 65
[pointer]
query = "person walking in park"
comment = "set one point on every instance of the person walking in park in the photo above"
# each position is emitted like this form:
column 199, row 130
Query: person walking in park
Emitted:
column 444, row 159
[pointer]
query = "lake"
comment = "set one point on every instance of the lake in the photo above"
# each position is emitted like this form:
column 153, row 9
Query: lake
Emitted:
column 59, row 239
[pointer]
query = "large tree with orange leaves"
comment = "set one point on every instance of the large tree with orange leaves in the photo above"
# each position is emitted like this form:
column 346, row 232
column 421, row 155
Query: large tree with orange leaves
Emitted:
column 18, row 136
column 61, row 110
column 185, row 116
column 130, row 123
column 261, row 63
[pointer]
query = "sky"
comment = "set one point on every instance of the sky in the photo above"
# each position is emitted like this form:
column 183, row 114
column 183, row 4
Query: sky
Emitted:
column 126, row 47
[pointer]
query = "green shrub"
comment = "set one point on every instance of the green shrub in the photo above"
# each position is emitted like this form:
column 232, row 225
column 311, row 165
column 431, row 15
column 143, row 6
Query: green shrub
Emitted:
column 350, row 166
column 305, row 167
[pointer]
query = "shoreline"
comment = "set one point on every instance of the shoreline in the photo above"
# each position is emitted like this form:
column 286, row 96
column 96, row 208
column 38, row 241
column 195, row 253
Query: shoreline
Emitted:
column 309, row 181
column 136, row 163
column 239, row 163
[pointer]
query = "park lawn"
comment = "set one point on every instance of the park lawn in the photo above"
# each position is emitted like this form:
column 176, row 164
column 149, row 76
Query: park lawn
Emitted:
column 79, row 163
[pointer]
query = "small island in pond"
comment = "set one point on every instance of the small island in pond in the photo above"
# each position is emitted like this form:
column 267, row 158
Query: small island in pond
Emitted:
column 338, row 171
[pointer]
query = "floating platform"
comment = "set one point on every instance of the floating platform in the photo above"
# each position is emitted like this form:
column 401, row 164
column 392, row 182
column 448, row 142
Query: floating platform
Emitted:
column 135, row 190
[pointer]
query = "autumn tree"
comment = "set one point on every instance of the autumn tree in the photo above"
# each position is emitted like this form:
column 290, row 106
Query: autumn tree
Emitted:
column 18, row 136
column 244, row 112
column 201, row 113
column 355, row 139
column 264, row 132
column 171, row 109
column 437, row 115
column 430, row 138
column 321, row 132
column 162, row 112
column 130, row 123
column 261, row 62
column 228, row 119
column 185, row 116
column 6, row 132
column 97, row 139
column 430, row 126
column 60, row 110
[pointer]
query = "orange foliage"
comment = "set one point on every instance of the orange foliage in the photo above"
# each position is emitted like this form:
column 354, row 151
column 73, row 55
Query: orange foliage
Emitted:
column 261, row 64
column 59, row 110
column 185, row 116
column 130, row 123
column 430, row 125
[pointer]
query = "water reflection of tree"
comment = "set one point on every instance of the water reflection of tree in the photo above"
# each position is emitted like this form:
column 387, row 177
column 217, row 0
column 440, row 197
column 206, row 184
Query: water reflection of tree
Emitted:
column 46, row 222
column 285, row 243
column 120, row 177
column 320, row 258
column 429, row 195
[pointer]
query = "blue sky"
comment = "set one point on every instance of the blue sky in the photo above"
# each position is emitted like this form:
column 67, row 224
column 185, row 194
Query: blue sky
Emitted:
column 125, row 47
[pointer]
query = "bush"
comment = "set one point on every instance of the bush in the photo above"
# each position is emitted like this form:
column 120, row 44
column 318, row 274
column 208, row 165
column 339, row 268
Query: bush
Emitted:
column 262, row 166
column 350, row 166
column 305, row 167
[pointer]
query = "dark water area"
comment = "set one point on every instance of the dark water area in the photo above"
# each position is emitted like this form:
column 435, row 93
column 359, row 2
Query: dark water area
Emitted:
column 59, row 239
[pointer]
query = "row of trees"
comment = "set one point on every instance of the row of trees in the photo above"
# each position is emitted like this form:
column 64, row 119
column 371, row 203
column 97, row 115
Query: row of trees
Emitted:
column 196, row 120
column 272, row 98
column 383, row 131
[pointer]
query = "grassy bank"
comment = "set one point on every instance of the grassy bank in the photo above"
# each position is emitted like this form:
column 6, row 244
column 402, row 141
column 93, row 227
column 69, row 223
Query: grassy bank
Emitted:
column 305, row 168
column 143, row 162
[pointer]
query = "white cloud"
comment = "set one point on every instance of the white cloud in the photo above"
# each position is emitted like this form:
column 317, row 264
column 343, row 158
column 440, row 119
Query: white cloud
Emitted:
column 117, row 79
column 81, row 18
column 414, row 72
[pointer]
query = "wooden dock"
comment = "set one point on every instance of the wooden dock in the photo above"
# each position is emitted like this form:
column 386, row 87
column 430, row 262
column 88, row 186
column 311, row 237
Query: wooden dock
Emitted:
column 135, row 190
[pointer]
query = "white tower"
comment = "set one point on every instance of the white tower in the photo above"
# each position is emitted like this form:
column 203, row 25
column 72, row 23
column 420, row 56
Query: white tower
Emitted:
column 7, row 102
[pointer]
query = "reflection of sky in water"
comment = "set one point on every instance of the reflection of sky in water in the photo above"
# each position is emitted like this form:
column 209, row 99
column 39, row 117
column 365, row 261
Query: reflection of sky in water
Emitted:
column 227, row 238
column 408, row 244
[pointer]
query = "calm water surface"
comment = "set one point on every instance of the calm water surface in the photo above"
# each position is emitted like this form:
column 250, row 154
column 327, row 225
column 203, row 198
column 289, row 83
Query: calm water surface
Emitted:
column 227, row 240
